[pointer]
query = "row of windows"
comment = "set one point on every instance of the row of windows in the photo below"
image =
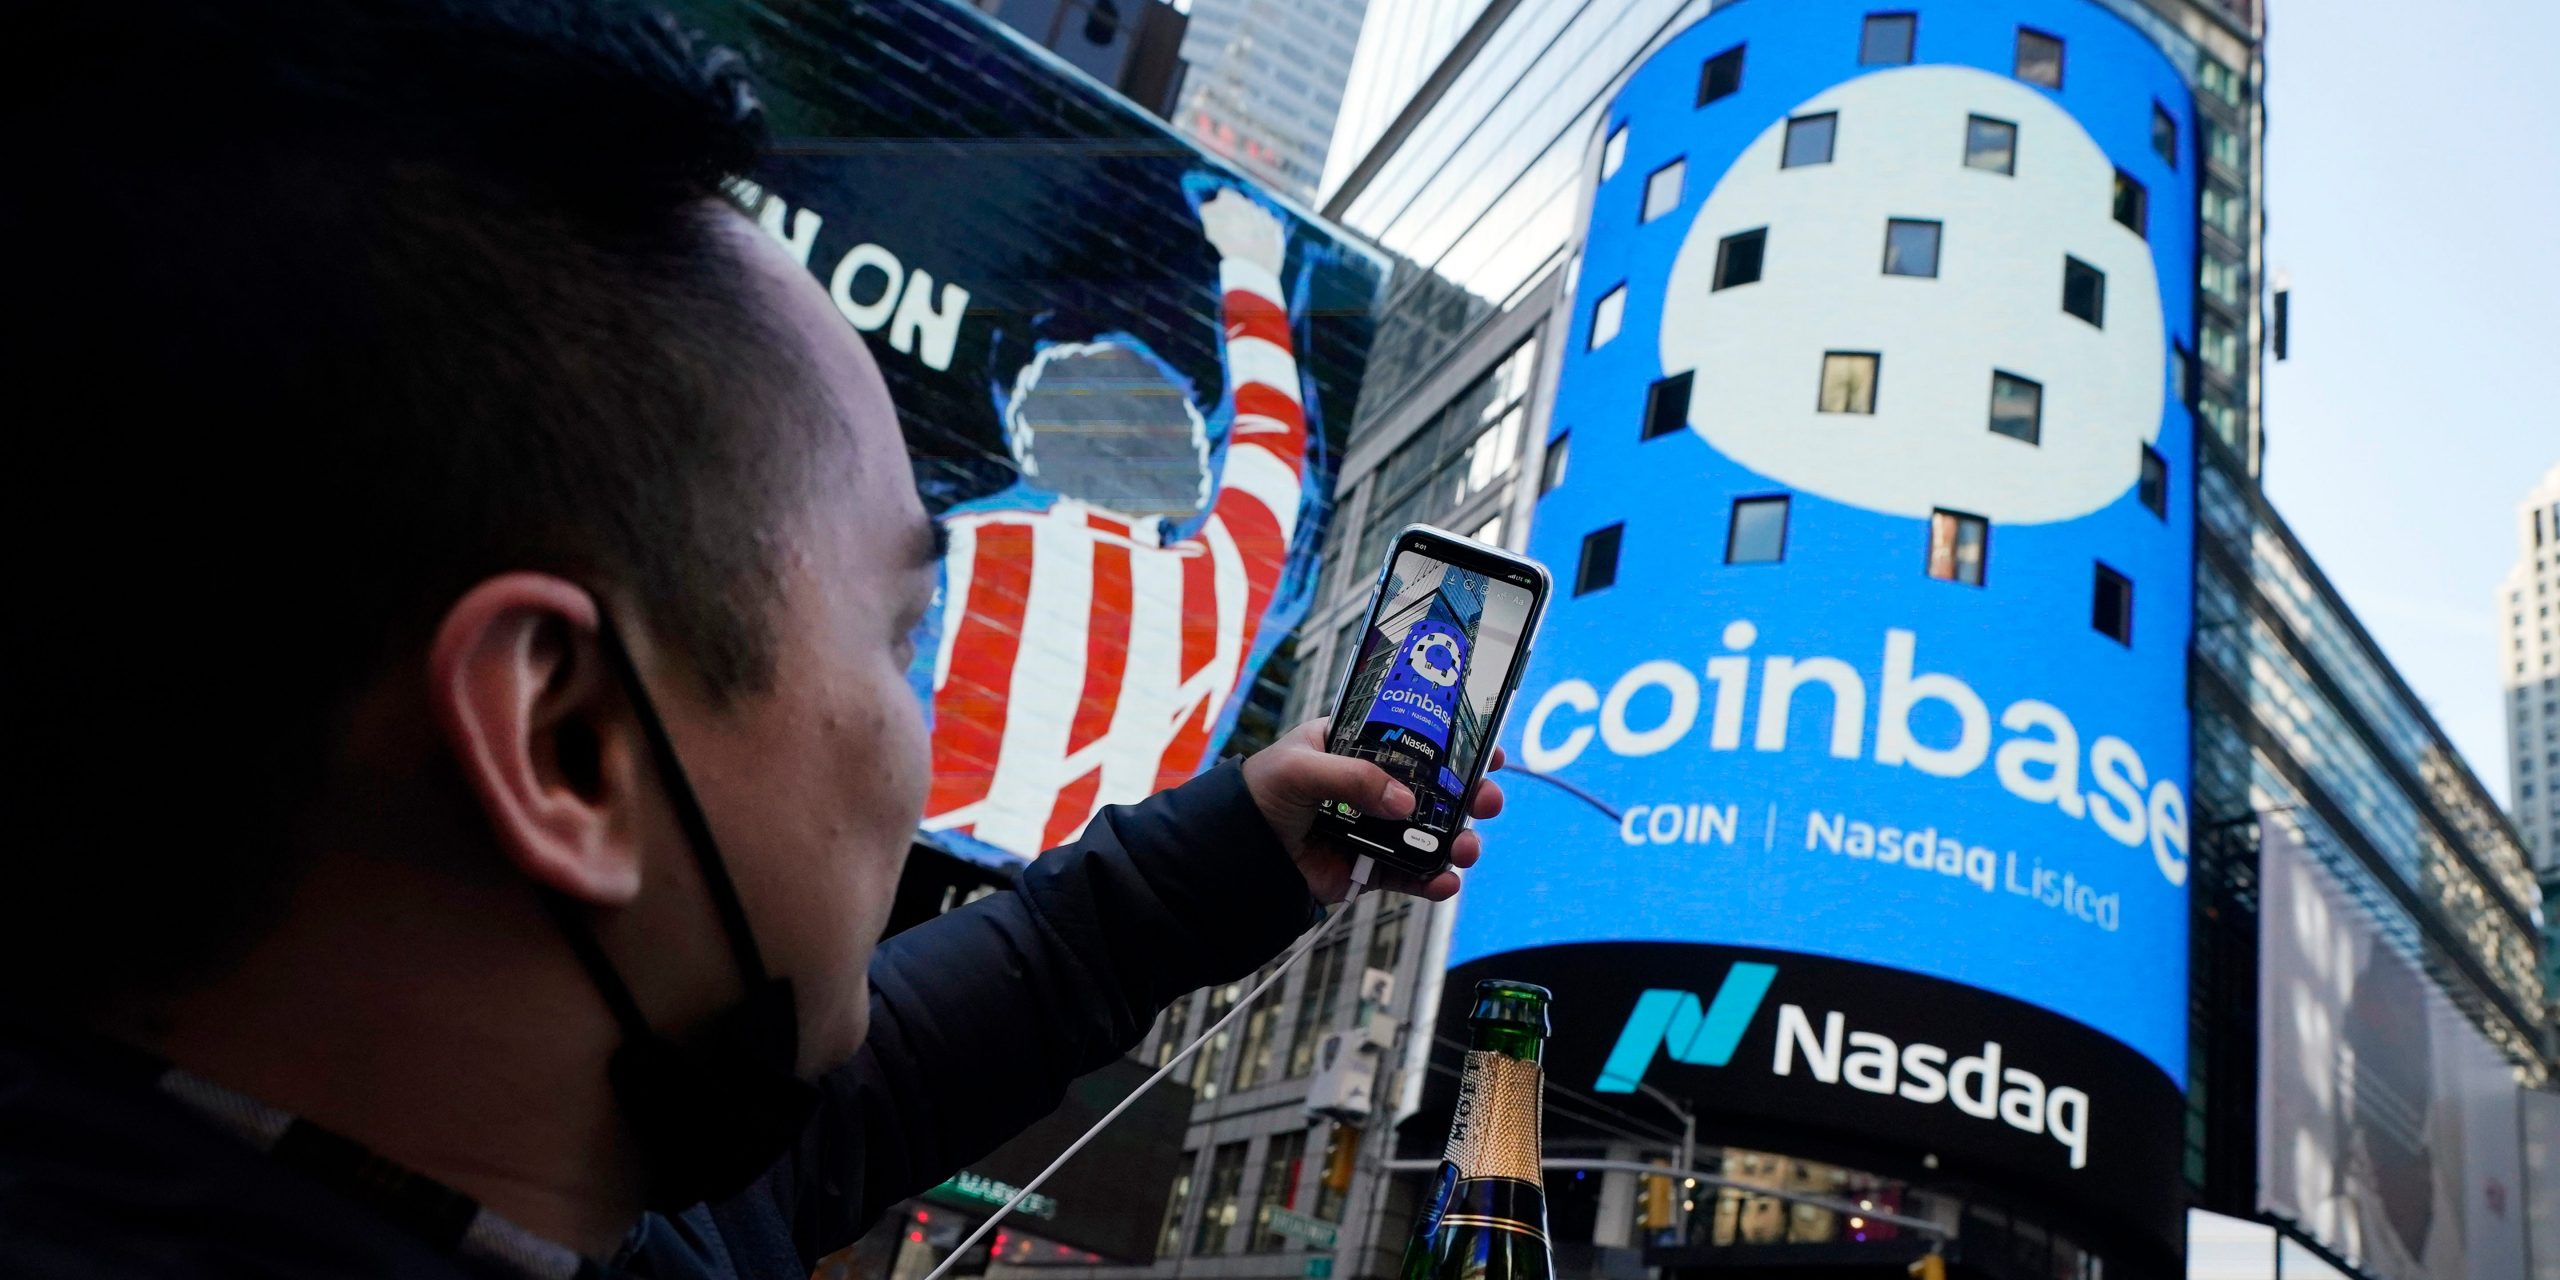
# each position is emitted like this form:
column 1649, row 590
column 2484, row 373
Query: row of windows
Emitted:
column 1890, row 38
column 1990, row 144
column 1284, row 1164
column 1849, row 382
column 1910, row 249
column 1887, row 39
column 1959, row 550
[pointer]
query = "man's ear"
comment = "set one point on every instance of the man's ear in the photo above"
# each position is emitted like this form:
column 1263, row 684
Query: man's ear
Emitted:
column 543, row 733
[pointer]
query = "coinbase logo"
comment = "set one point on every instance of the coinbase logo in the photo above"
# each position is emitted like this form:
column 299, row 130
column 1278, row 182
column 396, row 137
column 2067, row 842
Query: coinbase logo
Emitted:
column 1435, row 658
column 1982, row 301
column 1674, row 1022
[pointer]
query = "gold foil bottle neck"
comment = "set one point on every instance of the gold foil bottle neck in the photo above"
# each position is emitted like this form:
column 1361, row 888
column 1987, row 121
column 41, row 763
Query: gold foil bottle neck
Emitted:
column 1495, row 1131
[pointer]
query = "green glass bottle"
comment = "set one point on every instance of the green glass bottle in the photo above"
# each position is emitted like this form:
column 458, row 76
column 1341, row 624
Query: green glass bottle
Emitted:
column 1486, row 1215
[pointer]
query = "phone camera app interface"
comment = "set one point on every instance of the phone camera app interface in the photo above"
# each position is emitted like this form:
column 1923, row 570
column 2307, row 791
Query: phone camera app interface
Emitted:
column 1424, row 689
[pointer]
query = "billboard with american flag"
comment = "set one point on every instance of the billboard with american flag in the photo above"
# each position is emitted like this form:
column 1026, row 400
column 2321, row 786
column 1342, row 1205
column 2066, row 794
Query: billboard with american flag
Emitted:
column 1124, row 372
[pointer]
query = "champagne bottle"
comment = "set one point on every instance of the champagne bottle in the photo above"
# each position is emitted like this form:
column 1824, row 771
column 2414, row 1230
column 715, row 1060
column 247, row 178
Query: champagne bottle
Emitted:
column 1486, row 1214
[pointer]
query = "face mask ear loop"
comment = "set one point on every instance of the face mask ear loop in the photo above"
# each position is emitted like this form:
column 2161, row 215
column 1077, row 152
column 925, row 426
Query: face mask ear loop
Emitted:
column 697, row 829
column 573, row 925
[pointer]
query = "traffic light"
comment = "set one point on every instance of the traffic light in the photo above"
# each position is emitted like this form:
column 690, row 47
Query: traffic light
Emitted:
column 1341, row 1157
column 1659, row 1191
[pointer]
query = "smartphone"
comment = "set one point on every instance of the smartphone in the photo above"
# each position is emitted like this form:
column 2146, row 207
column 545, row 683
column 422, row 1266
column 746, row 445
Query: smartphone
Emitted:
column 1424, row 692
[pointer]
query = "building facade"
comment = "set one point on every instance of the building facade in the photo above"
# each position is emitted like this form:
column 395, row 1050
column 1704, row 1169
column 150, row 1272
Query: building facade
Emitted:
column 1134, row 46
column 1487, row 176
column 1265, row 82
column 2529, row 675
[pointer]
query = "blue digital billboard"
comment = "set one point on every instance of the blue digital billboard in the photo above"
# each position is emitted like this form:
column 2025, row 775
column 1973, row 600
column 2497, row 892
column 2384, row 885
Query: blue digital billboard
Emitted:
column 1872, row 404
column 1420, row 695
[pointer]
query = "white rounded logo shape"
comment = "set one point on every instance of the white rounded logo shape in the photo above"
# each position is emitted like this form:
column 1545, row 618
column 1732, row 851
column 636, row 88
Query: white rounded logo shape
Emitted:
column 1441, row 666
column 1899, row 148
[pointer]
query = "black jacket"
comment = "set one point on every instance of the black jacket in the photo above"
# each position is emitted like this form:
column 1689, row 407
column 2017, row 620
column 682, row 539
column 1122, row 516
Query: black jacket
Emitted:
column 978, row 1022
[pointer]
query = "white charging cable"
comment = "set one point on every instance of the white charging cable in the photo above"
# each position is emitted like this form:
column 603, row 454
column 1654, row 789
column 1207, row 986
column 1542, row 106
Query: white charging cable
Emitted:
column 1361, row 870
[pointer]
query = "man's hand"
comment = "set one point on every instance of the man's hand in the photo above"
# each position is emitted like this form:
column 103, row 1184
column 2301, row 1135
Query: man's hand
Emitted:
column 1289, row 778
column 1241, row 229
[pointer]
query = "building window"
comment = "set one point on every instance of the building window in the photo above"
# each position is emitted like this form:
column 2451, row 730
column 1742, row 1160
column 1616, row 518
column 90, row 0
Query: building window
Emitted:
column 1218, row 1200
column 1885, row 41
column 1990, row 144
column 1169, row 1240
column 1317, row 1000
column 1738, row 258
column 1757, row 531
column 2133, row 204
column 2153, row 487
column 1666, row 405
column 2222, row 416
column 1551, row 471
column 2222, row 146
column 2221, row 347
column 1177, row 1019
column 2017, row 407
column 2111, row 605
column 1613, row 153
column 1488, row 457
column 1809, row 140
column 2220, row 277
column 2225, row 211
column 1279, row 1190
column 2220, row 81
column 1662, row 190
column 2164, row 134
column 2039, row 58
column 1209, row 1065
column 1606, row 314
column 1258, row 1056
column 1959, row 547
column 1911, row 247
column 2084, row 291
column 1849, row 381
column 1721, row 76
column 1386, row 938
column 1599, row 564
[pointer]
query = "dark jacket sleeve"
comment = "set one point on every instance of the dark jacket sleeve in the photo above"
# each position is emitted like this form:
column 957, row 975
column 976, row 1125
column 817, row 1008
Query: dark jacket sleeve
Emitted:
column 980, row 1019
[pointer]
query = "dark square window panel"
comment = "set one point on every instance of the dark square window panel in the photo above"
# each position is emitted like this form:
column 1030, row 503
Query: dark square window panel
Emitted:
column 1990, row 144
column 1757, row 531
column 1911, row 247
column 1885, row 39
column 1666, row 405
column 2084, row 291
column 1738, row 258
column 1598, row 565
column 1721, row 76
column 2039, row 58
column 2017, row 407
column 1809, row 140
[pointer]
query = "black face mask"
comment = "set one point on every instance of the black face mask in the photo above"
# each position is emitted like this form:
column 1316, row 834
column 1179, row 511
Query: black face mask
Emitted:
column 711, row 1113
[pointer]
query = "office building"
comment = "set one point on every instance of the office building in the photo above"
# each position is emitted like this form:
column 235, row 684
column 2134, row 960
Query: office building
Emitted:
column 1265, row 82
column 1552, row 188
column 2529, row 680
column 1134, row 46
column 1396, row 54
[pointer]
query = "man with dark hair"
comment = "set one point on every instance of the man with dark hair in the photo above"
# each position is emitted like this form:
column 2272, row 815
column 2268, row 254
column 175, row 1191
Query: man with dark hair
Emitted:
column 464, row 579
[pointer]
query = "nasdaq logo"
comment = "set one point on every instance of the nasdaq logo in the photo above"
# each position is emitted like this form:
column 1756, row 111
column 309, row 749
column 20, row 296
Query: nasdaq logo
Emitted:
column 1676, row 1023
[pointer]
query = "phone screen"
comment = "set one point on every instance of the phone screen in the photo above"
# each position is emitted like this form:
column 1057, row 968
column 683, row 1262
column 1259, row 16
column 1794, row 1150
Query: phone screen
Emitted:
column 1425, row 692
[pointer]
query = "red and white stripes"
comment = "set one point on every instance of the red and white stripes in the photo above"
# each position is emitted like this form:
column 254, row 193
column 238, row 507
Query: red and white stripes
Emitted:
column 1083, row 663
